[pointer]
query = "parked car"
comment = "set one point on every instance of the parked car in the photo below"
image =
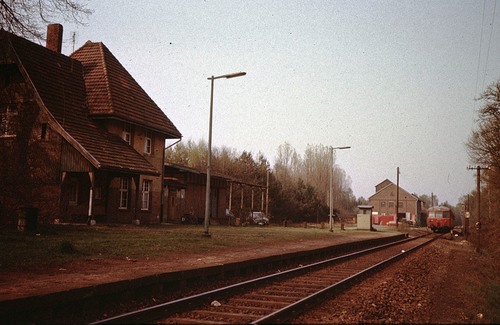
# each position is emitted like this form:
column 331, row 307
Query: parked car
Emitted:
column 259, row 218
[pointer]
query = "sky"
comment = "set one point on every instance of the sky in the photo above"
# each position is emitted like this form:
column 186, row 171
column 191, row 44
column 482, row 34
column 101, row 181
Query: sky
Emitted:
column 395, row 80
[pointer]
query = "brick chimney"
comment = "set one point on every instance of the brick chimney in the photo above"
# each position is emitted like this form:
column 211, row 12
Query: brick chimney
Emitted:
column 54, row 37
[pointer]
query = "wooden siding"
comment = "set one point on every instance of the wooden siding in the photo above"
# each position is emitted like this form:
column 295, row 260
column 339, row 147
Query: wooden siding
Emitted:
column 185, row 194
column 72, row 160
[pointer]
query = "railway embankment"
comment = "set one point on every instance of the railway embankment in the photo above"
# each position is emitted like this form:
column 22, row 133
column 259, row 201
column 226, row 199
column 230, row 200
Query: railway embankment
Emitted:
column 81, row 303
column 446, row 282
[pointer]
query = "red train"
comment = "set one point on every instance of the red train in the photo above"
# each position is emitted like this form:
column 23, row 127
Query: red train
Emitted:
column 440, row 219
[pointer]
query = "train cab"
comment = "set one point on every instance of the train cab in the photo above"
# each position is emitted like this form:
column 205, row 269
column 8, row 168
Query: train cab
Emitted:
column 440, row 219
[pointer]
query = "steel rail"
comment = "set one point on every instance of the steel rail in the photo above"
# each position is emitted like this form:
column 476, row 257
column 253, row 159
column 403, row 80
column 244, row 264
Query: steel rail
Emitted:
column 165, row 309
column 283, row 314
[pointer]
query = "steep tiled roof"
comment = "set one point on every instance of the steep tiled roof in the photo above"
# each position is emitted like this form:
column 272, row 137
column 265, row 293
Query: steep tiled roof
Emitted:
column 58, row 81
column 389, row 185
column 113, row 92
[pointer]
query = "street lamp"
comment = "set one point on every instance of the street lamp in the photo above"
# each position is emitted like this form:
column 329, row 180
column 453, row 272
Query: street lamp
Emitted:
column 331, row 183
column 209, row 156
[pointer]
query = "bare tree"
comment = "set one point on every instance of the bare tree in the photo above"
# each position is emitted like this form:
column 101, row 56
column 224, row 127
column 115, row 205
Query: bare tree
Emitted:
column 299, row 187
column 484, row 149
column 27, row 18
column 484, row 143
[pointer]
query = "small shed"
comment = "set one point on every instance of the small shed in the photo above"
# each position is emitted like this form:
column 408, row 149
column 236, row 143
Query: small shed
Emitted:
column 364, row 217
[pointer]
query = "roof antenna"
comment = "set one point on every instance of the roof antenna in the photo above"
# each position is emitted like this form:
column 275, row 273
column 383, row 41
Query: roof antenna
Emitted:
column 73, row 39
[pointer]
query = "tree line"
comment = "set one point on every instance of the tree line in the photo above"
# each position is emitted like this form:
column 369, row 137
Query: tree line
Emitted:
column 483, row 147
column 298, row 184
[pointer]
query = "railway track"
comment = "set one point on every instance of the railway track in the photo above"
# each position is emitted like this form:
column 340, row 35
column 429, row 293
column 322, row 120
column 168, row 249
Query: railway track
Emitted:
column 278, row 297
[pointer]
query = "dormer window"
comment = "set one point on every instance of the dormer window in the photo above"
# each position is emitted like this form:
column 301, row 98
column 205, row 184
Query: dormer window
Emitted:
column 127, row 133
column 148, row 142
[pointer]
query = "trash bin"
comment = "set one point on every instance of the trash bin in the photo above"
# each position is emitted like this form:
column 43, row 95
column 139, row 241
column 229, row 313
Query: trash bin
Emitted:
column 31, row 220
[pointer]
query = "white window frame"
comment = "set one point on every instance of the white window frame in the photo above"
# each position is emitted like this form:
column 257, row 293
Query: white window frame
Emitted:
column 124, row 187
column 146, row 194
column 127, row 133
column 148, row 142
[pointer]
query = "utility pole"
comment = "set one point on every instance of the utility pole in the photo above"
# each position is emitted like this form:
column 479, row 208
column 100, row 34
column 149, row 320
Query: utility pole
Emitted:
column 267, row 194
column 332, row 150
column 467, row 218
column 397, row 198
column 478, row 223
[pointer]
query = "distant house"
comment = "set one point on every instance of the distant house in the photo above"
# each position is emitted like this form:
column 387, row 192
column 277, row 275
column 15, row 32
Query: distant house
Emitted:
column 79, row 138
column 384, row 204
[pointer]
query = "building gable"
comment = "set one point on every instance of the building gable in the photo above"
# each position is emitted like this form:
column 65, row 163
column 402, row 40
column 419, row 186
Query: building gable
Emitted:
column 59, row 88
column 114, row 93
column 382, row 184
column 389, row 193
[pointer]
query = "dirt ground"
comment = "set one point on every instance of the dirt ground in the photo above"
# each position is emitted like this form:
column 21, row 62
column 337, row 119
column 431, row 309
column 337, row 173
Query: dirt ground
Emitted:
column 23, row 283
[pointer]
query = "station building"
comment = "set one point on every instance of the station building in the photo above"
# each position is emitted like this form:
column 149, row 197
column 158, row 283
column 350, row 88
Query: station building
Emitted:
column 80, row 140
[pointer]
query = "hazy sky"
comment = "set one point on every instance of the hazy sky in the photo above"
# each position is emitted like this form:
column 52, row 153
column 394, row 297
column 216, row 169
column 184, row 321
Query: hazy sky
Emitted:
column 395, row 80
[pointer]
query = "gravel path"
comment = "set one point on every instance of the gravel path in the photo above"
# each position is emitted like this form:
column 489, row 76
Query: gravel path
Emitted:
column 437, row 284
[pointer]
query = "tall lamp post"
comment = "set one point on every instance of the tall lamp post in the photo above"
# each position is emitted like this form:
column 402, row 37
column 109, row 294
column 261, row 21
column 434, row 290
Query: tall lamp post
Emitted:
column 331, row 183
column 209, row 156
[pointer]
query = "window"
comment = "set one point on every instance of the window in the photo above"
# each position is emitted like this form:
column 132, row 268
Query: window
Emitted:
column 391, row 204
column 146, row 188
column 127, row 133
column 8, row 122
column 43, row 131
column 73, row 192
column 123, row 193
column 148, row 142
column 382, row 204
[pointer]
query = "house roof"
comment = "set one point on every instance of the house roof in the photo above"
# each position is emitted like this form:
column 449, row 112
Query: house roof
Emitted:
column 391, row 184
column 191, row 170
column 384, row 181
column 182, row 168
column 59, row 87
column 113, row 93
